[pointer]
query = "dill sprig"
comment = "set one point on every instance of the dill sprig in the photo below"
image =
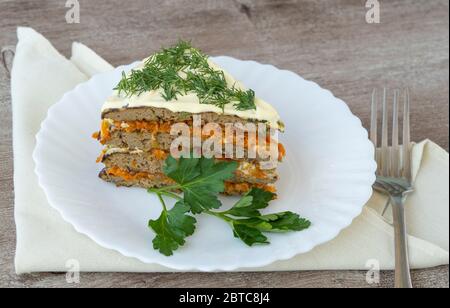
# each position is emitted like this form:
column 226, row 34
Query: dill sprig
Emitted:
column 181, row 69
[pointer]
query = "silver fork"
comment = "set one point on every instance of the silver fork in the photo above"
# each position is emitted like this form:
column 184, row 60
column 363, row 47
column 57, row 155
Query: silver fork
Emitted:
column 394, row 174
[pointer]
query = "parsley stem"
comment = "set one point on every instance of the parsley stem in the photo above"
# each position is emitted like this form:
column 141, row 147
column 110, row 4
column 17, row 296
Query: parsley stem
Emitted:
column 170, row 194
column 163, row 192
column 162, row 201
column 164, row 189
column 219, row 215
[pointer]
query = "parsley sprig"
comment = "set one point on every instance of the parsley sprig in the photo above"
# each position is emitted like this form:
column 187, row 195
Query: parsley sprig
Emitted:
column 201, row 180
column 172, row 227
column 182, row 69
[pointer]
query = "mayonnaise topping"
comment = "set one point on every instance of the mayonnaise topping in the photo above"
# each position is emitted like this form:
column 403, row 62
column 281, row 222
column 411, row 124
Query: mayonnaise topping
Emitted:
column 191, row 103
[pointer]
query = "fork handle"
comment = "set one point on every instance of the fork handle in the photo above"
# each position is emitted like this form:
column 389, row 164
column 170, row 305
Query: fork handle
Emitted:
column 402, row 270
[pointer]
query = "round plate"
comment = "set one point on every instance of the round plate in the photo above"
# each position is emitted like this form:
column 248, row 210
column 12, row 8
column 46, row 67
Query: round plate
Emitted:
column 326, row 177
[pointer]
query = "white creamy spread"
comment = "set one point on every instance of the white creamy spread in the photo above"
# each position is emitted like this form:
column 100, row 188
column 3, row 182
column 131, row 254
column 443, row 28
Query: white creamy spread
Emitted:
column 191, row 103
column 113, row 150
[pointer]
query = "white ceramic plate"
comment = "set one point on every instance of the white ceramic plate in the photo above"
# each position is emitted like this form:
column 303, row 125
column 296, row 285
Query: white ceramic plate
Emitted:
column 326, row 177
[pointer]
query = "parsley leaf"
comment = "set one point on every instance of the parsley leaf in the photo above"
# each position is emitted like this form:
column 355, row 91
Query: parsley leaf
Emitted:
column 286, row 221
column 249, row 205
column 171, row 228
column 183, row 170
column 250, row 230
column 201, row 180
column 248, row 224
column 277, row 222
column 249, row 235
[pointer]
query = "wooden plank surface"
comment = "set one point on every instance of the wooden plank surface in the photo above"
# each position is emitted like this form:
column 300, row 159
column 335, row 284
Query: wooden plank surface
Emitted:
column 326, row 41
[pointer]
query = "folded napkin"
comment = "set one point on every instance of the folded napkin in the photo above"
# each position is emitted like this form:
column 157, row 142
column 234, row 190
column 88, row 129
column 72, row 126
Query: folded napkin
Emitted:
column 45, row 242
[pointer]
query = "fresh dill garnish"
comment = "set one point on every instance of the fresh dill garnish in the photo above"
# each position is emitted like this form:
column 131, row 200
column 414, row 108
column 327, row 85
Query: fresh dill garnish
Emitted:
column 181, row 69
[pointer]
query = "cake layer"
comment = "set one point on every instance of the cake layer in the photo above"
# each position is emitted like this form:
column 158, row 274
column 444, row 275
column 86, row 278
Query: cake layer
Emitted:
column 164, row 115
column 153, row 162
column 146, row 141
column 142, row 140
column 146, row 180
column 147, row 135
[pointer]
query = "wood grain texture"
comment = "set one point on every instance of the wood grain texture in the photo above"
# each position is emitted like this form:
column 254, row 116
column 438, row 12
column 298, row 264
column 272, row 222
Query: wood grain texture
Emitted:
column 328, row 42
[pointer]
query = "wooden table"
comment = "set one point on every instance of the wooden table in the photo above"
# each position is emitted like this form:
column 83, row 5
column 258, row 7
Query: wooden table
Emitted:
column 329, row 42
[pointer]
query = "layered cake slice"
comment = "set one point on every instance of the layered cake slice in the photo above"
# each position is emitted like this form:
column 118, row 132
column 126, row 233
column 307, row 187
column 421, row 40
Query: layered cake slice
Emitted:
column 179, row 93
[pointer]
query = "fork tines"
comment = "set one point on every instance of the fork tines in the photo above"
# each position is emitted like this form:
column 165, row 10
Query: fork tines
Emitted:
column 393, row 160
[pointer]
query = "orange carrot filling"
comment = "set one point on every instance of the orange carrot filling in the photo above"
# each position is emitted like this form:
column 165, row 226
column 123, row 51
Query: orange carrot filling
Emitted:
column 281, row 151
column 105, row 134
column 230, row 187
column 130, row 176
column 156, row 127
column 100, row 157
column 242, row 188
column 160, row 154
column 150, row 126
column 258, row 173
column 130, row 126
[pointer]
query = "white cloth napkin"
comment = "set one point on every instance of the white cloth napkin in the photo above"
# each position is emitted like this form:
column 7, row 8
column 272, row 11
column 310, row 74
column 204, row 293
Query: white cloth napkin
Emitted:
column 45, row 242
